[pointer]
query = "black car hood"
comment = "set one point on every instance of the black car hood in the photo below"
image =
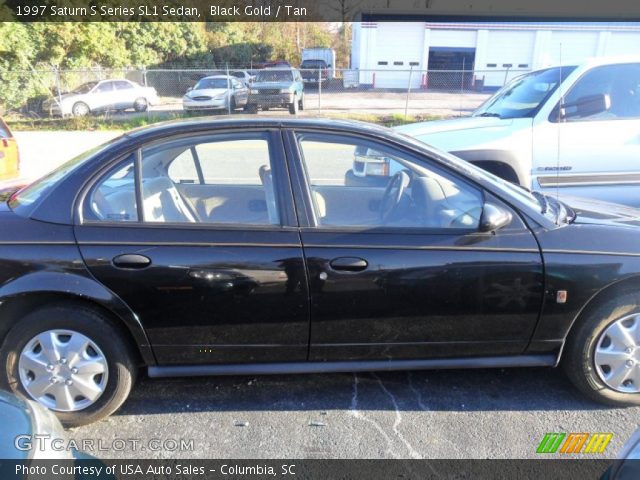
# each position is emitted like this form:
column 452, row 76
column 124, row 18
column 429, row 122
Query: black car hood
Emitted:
column 596, row 212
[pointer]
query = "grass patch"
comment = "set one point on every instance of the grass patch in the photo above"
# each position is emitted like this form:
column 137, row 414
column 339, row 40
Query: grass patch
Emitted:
column 107, row 122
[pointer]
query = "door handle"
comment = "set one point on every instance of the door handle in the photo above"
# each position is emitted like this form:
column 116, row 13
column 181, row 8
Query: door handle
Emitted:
column 349, row 264
column 131, row 260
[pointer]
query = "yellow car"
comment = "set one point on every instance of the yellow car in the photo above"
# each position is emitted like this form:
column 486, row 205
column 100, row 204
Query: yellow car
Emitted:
column 9, row 157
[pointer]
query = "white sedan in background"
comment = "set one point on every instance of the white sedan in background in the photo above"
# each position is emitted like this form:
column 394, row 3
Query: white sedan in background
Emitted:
column 218, row 92
column 102, row 96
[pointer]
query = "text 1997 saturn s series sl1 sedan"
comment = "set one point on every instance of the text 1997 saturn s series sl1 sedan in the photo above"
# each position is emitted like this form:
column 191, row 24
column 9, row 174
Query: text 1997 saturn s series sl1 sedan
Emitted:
column 235, row 247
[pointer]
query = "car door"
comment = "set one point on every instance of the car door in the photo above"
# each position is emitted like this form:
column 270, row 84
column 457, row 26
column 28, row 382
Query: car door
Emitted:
column 241, row 92
column 103, row 96
column 593, row 152
column 125, row 94
column 197, row 236
column 400, row 270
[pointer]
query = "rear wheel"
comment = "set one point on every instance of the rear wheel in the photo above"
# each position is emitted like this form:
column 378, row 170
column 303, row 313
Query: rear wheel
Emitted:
column 232, row 104
column 253, row 108
column 602, row 354
column 71, row 360
column 301, row 103
column 141, row 105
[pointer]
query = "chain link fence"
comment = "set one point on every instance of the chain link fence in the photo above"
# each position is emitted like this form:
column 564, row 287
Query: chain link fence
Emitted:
column 442, row 93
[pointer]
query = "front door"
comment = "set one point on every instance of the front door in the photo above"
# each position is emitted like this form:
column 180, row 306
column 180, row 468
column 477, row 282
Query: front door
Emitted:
column 209, row 257
column 397, row 268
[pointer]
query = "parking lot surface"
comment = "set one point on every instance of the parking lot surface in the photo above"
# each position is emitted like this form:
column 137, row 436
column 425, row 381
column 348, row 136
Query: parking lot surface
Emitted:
column 423, row 414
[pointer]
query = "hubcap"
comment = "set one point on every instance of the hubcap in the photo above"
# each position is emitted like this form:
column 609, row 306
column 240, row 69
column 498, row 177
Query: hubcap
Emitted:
column 63, row 370
column 617, row 355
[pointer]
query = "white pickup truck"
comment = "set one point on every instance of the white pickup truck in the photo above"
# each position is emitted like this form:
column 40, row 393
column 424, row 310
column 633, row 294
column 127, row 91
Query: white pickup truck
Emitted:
column 574, row 129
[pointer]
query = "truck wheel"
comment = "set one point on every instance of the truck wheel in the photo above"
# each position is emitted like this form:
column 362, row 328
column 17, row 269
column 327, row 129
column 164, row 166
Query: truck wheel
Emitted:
column 72, row 360
column 602, row 353
column 253, row 108
column 293, row 107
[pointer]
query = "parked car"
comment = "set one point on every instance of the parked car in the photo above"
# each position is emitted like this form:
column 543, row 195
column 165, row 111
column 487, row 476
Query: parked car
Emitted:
column 279, row 88
column 627, row 464
column 326, row 55
column 105, row 95
column 219, row 92
column 314, row 72
column 29, row 431
column 572, row 128
column 235, row 247
column 9, row 155
column 245, row 76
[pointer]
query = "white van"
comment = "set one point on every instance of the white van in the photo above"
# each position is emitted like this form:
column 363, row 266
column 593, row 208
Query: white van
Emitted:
column 574, row 129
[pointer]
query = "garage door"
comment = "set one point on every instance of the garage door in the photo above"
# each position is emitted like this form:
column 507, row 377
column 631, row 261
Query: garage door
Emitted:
column 399, row 49
column 572, row 47
column 506, row 50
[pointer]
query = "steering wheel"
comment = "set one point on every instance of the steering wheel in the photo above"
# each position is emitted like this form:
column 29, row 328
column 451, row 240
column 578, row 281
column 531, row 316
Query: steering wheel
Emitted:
column 393, row 194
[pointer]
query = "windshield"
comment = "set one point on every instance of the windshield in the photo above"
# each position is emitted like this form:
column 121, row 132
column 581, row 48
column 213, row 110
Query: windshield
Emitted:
column 313, row 64
column 206, row 83
column 275, row 76
column 85, row 87
column 524, row 94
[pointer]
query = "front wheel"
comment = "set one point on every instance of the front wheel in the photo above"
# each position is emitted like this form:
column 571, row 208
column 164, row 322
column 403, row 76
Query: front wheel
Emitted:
column 80, row 109
column 301, row 103
column 602, row 353
column 293, row 106
column 71, row 360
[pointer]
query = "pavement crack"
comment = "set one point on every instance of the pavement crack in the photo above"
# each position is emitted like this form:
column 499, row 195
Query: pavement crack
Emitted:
column 396, row 424
column 353, row 410
column 417, row 393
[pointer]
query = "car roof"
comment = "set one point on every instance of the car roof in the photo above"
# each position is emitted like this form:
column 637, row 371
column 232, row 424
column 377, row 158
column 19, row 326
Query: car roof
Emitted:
column 236, row 121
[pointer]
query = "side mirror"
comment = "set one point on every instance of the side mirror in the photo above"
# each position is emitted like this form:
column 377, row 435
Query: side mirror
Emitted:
column 494, row 218
column 586, row 106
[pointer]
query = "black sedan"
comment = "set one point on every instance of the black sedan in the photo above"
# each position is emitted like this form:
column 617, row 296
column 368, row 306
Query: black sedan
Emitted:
column 235, row 246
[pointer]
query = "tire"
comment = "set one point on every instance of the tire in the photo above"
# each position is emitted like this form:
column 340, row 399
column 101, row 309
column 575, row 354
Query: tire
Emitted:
column 140, row 104
column 293, row 107
column 253, row 108
column 117, row 354
column 586, row 368
column 80, row 109
column 265, row 109
column 301, row 103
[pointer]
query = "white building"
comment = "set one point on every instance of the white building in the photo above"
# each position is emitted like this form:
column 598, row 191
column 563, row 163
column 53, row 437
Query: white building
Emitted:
column 385, row 52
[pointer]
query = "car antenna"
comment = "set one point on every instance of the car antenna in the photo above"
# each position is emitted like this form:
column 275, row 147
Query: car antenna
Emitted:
column 560, row 104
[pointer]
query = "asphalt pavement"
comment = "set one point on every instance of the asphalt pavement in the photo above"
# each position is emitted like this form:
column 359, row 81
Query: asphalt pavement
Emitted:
column 422, row 414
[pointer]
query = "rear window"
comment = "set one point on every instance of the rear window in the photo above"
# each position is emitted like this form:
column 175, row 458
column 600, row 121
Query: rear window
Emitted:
column 25, row 201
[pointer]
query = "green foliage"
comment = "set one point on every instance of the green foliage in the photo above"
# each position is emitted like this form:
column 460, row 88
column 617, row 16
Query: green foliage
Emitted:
column 45, row 46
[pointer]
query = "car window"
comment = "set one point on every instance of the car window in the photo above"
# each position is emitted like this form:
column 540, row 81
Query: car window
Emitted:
column 357, row 183
column 122, row 85
column 620, row 83
column 274, row 76
column 206, row 83
column 104, row 87
column 113, row 199
column 210, row 180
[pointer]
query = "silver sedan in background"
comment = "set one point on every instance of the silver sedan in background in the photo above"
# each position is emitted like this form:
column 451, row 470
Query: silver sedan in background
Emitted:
column 217, row 92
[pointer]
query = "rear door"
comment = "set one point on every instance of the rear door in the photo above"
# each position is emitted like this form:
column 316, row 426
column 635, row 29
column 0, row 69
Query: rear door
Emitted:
column 400, row 271
column 196, row 234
